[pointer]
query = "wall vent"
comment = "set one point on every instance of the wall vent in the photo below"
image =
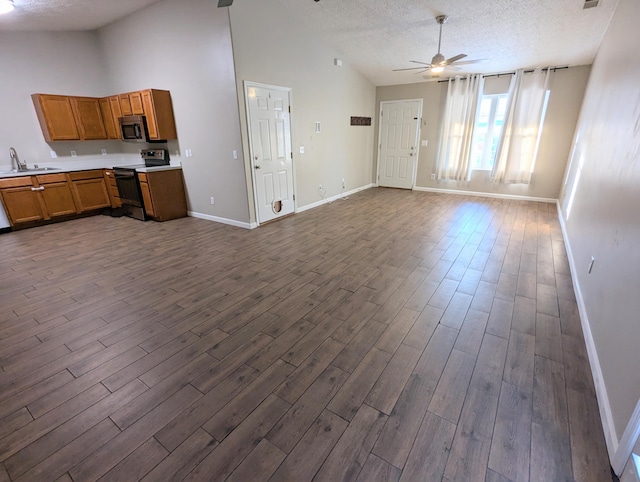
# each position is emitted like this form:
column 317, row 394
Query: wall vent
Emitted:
column 591, row 4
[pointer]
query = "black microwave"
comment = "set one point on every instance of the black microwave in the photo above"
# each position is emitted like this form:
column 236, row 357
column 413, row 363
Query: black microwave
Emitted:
column 133, row 128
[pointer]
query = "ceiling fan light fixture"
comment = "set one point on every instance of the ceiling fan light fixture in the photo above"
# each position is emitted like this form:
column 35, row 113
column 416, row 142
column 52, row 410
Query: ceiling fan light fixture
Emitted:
column 437, row 69
column 6, row 6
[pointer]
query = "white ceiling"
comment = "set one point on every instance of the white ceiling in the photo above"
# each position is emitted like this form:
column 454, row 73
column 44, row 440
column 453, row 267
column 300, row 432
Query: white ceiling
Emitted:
column 377, row 36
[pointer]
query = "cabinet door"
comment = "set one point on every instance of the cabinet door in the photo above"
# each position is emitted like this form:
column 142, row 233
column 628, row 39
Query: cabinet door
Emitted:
column 110, row 123
column 147, row 199
column 58, row 199
column 89, row 118
column 136, row 103
column 91, row 194
column 56, row 117
column 150, row 113
column 125, row 104
column 22, row 204
column 115, row 107
column 112, row 188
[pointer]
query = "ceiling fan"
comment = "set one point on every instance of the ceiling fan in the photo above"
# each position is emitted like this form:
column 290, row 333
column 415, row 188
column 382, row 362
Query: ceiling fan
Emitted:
column 438, row 62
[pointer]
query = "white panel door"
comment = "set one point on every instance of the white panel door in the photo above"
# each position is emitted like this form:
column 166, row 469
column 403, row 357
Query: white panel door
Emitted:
column 399, row 134
column 271, row 159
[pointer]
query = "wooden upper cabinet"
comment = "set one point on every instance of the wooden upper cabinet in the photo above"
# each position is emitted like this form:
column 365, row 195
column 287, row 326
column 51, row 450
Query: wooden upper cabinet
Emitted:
column 110, row 122
column 68, row 118
column 136, row 103
column 159, row 112
column 89, row 118
column 125, row 104
column 114, row 100
column 56, row 117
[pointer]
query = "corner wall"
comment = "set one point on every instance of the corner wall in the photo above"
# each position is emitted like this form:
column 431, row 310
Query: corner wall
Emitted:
column 185, row 46
column 600, row 208
column 567, row 89
column 270, row 47
column 66, row 63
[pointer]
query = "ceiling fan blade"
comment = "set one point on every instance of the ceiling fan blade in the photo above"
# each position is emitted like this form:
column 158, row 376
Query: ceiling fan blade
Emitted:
column 224, row 3
column 424, row 68
column 455, row 59
column 418, row 62
column 469, row 62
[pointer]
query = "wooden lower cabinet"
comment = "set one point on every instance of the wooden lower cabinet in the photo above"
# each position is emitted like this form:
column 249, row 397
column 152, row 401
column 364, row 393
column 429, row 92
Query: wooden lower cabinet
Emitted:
column 112, row 188
column 89, row 190
column 21, row 199
column 30, row 199
column 56, row 194
column 163, row 194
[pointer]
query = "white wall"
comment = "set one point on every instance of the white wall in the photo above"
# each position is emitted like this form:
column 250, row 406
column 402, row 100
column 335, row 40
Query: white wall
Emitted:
column 51, row 63
column 185, row 46
column 271, row 47
column 601, row 210
column 567, row 88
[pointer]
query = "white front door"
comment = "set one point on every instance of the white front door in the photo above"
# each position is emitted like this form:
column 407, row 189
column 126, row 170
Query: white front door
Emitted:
column 268, row 109
column 399, row 134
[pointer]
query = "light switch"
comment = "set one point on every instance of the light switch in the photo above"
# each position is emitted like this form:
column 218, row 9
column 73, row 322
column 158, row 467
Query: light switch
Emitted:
column 424, row 143
column 301, row 149
column 235, row 154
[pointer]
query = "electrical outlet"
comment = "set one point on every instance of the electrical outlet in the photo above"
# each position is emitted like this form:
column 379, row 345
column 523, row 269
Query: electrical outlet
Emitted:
column 343, row 185
column 74, row 154
column 235, row 155
column 433, row 177
column 213, row 200
column 104, row 152
column 319, row 186
column 53, row 154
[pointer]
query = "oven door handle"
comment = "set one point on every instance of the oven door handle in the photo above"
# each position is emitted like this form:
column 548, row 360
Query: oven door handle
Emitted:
column 138, row 130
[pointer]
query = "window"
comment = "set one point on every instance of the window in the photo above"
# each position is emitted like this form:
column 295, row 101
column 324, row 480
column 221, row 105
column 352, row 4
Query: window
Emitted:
column 487, row 131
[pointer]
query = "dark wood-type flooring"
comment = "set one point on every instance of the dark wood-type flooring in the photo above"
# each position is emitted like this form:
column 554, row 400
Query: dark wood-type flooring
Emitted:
column 392, row 336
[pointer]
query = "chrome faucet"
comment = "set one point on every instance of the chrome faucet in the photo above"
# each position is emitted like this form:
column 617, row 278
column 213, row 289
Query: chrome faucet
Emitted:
column 20, row 166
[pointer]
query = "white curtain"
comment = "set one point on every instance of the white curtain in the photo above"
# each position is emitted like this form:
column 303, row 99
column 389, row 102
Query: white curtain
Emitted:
column 518, row 148
column 463, row 95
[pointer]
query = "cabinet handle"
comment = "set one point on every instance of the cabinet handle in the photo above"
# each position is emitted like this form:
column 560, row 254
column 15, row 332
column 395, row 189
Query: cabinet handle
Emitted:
column 37, row 188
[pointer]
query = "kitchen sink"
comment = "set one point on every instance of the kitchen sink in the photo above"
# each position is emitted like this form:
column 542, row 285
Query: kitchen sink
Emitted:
column 30, row 170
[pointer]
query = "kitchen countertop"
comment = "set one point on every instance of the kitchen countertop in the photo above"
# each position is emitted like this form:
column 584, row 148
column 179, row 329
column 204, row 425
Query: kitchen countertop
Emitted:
column 85, row 166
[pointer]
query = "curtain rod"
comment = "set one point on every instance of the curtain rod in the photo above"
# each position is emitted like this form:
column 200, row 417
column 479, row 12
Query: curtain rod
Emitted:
column 553, row 69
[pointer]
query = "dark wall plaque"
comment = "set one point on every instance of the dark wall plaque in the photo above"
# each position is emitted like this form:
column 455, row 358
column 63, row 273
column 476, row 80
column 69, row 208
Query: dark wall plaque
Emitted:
column 361, row 121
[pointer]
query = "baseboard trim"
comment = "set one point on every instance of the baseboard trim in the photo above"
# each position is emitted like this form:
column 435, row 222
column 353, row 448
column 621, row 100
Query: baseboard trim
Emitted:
column 619, row 450
column 230, row 222
column 627, row 442
column 486, row 194
column 333, row 198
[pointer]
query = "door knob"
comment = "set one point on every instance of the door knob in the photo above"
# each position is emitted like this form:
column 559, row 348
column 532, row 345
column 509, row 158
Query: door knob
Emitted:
column 257, row 167
column 256, row 158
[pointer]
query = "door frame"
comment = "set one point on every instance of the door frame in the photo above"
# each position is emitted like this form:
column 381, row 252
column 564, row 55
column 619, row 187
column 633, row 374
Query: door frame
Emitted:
column 419, row 130
column 247, row 85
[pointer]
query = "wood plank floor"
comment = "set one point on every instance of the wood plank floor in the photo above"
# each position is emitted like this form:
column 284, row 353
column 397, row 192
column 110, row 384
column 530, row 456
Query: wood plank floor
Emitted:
column 392, row 336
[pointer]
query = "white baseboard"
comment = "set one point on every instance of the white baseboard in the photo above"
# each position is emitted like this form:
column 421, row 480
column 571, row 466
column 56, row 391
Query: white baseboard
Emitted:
column 486, row 194
column 619, row 450
column 333, row 198
column 231, row 222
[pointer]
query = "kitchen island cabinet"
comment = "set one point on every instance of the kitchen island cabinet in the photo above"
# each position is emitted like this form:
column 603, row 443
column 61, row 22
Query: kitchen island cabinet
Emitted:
column 163, row 194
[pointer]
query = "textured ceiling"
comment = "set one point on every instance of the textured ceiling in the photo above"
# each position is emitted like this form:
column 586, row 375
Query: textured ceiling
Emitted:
column 377, row 36
column 55, row 15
